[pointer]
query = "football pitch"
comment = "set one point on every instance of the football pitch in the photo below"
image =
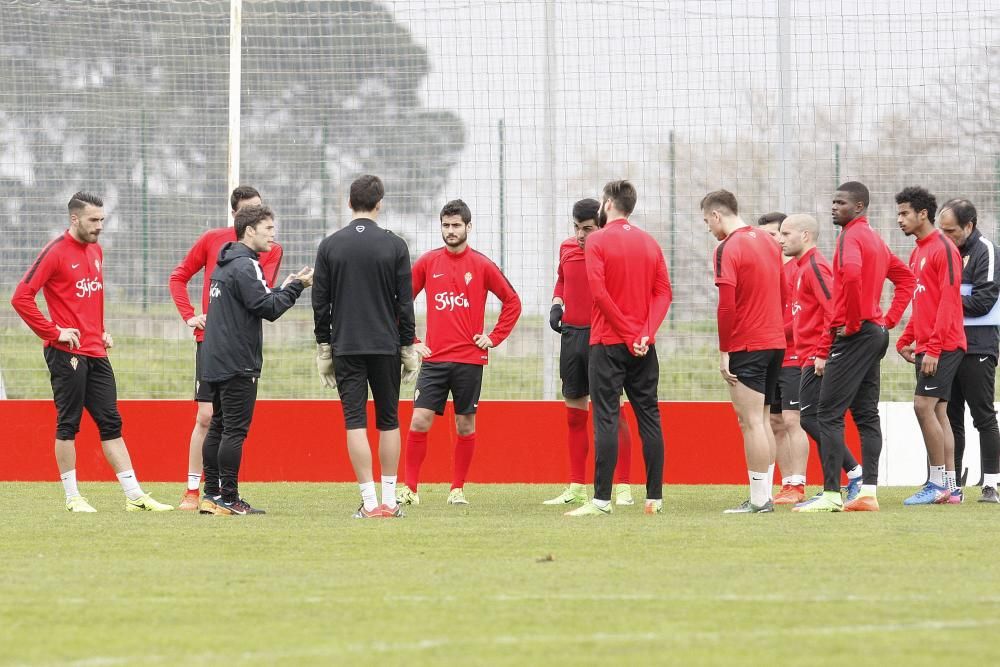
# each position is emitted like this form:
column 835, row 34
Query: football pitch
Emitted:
column 503, row 581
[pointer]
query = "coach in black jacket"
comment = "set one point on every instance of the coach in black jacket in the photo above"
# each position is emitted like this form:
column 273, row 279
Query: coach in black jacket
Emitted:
column 231, row 355
column 974, row 382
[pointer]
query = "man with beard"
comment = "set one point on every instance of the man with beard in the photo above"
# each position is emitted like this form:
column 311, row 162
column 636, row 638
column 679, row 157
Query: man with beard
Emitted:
column 457, row 280
column 572, row 308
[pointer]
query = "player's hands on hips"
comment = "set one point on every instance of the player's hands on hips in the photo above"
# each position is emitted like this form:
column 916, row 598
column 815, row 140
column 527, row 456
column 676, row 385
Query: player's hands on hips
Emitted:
column 411, row 363
column 324, row 364
column 929, row 364
column 108, row 341
column 640, row 347
column 197, row 322
column 69, row 336
column 482, row 341
column 555, row 317
column 724, row 369
column 908, row 353
column 820, row 367
column 422, row 350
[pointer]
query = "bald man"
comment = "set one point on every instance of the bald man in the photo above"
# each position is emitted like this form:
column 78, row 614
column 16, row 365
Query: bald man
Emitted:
column 812, row 305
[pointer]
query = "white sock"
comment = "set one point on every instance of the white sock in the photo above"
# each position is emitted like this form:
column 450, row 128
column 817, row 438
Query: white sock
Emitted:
column 603, row 504
column 130, row 484
column 760, row 488
column 937, row 475
column 786, row 481
column 949, row 477
column 854, row 472
column 991, row 479
column 389, row 490
column 797, row 480
column 69, row 483
column 368, row 496
column 194, row 481
column 868, row 489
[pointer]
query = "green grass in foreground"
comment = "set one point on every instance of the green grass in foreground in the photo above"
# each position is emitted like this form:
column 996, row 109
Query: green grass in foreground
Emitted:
column 503, row 581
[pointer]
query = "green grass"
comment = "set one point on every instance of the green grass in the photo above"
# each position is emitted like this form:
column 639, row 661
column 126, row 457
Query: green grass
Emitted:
column 504, row 581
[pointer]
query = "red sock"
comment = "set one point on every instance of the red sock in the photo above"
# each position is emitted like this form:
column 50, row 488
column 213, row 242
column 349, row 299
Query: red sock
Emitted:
column 624, row 451
column 464, row 446
column 416, row 452
column 579, row 444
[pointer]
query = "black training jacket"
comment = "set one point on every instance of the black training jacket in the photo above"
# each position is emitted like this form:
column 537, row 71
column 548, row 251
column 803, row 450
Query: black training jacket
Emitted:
column 239, row 299
column 363, row 291
column 979, row 262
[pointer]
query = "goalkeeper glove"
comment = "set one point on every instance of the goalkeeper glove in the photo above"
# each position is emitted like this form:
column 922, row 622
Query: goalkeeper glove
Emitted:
column 555, row 317
column 324, row 364
column 411, row 363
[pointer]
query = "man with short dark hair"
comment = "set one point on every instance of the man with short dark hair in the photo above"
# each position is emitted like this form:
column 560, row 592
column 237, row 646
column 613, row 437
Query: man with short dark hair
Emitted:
column 363, row 314
column 752, row 294
column 457, row 280
column 232, row 352
column 791, row 450
column 203, row 255
column 934, row 340
column 572, row 308
column 849, row 356
column 975, row 380
column 631, row 289
column 70, row 273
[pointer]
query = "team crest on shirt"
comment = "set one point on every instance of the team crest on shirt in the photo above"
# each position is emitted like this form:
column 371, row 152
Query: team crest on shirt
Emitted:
column 359, row 229
column 74, row 362
column 468, row 278
column 97, row 265
column 923, row 260
column 965, row 261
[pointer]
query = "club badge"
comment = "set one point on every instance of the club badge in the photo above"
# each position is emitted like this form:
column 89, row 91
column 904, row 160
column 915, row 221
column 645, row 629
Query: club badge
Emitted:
column 468, row 278
column 965, row 261
column 74, row 362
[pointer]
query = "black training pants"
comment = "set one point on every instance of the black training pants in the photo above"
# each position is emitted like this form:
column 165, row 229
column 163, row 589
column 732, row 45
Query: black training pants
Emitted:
column 809, row 413
column 974, row 384
column 851, row 381
column 612, row 369
column 233, row 401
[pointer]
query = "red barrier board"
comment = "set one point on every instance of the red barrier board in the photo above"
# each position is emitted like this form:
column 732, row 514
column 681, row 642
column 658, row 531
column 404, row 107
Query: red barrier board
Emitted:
column 303, row 441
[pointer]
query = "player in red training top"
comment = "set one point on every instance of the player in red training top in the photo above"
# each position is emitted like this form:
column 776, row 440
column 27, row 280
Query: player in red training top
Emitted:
column 70, row 273
column 791, row 451
column 457, row 280
column 849, row 355
column 631, row 289
column 572, row 308
column 812, row 306
column 203, row 255
column 934, row 339
column 748, row 271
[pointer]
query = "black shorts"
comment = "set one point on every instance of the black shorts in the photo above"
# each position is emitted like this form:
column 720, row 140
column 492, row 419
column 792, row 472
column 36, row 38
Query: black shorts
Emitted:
column 758, row 370
column 787, row 394
column 939, row 384
column 80, row 382
column 355, row 373
column 574, row 361
column 436, row 380
column 202, row 390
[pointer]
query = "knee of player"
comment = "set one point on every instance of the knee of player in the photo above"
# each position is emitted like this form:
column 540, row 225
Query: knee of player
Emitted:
column 465, row 424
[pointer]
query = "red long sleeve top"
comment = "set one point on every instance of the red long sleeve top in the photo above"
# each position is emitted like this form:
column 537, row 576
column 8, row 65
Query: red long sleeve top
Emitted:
column 749, row 274
column 629, row 280
column 936, row 323
column 789, row 271
column 861, row 263
column 203, row 255
column 456, row 286
column 70, row 275
column 572, row 285
column 812, row 303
